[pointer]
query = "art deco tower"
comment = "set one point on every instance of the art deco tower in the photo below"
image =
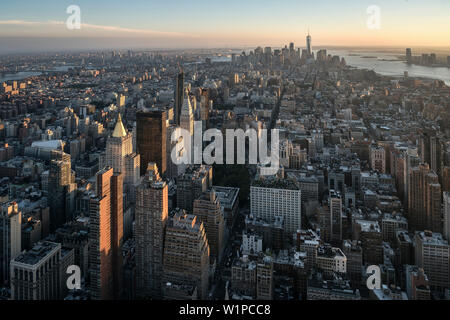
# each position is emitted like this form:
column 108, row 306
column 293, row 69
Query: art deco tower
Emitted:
column 120, row 156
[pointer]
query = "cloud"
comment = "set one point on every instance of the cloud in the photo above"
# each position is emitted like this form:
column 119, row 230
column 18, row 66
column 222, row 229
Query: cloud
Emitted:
column 136, row 31
column 87, row 27
column 19, row 23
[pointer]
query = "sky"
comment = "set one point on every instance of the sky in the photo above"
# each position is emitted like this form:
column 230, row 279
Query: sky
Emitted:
column 30, row 25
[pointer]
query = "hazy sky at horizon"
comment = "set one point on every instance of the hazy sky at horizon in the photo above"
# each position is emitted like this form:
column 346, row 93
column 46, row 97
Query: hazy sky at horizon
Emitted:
column 32, row 25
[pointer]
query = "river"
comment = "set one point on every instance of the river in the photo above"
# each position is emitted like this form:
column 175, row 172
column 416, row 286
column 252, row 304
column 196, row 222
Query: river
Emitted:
column 388, row 65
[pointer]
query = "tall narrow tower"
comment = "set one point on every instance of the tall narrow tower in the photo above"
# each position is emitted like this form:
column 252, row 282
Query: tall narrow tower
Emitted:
column 10, row 238
column 187, row 123
column 179, row 96
column 61, row 189
column 187, row 116
column 335, row 203
column 152, row 210
column 105, row 233
column 308, row 44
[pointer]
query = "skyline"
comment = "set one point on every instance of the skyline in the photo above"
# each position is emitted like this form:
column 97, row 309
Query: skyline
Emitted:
column 232, row 155
column 202, row 24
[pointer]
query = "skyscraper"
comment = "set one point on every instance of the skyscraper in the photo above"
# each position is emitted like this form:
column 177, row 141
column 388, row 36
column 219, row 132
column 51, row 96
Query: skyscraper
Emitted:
column 177, row 167
column 408, row 55
column 186, row 253
column 118, row 146
column 151, row 139
column 10, row 238
column 424, row 199
column 117, row 233
column 187, row 116
column 432, row 254
column 120, row 156
column 44, row 265
column 446, row 178
column 61, row 189
column 205, row 108
column 308, row 44
column 436, row 155
column 151, row 218
column 431, row 147
column 179, row 97
column 207, row 209
column 291, row 50
column 106, row 231
column 187, row 123
column 335, row 203
column 269, row 199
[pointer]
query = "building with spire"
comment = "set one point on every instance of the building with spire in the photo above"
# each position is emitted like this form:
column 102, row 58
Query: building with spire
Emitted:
column 187, row 123
column 119, row 130
column 308, row 44
column 187, row 115
column 121, row 157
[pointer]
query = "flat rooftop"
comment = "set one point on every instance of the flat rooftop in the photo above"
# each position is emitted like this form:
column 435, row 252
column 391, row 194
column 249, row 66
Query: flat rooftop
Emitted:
column 227, row 196
column 433, row 238
column 39, row 252
column 369, row 226
column 284, row 184
column 329, row 252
